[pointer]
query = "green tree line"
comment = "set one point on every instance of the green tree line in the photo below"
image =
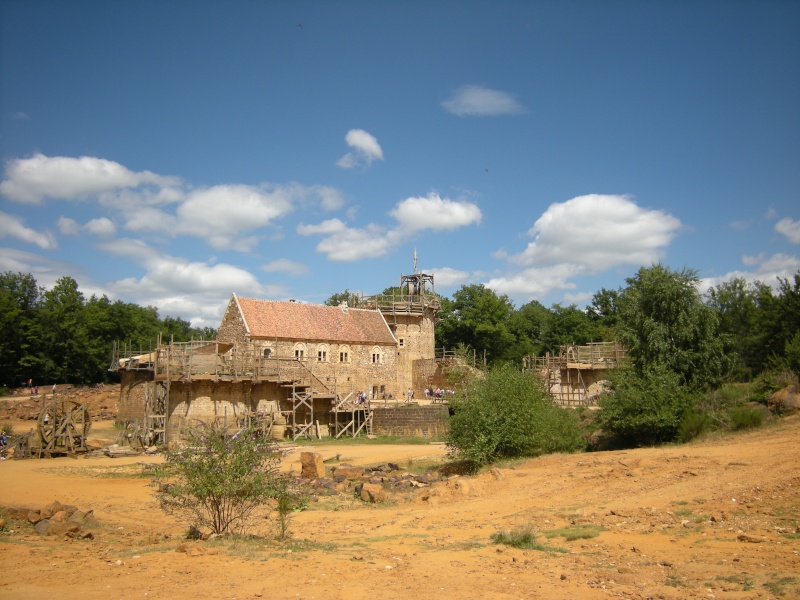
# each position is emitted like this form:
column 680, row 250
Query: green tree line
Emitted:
column 734, row 332
column 60, row 336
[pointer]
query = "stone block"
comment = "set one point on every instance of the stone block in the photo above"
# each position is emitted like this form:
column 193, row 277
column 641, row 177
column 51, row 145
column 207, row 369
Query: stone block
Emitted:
column 312, row 466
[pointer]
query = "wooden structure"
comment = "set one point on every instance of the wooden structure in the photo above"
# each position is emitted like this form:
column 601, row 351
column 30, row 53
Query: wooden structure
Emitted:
column 574, row 376
column 63, row 428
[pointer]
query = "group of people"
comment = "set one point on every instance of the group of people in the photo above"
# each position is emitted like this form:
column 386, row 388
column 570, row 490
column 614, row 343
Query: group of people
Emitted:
column 438, row 395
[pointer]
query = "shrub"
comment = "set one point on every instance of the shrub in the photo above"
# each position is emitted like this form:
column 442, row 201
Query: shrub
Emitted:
column 746, row 417
column 218, row 481
column 508, row 414
column 694, row 424
column 645, row 408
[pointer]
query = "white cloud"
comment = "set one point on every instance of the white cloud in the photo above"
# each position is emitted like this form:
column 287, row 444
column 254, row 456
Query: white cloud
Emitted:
column 476, row 100
column 765, row 269
column 413, row 215
column 14, row 227
column 30, row 180
column 196, row 290
column 101, row 227
column 597, row 232
column 284, row 265
column 365, row 149
column 68, row 226
column 45, row 270
column 347, row 244
column 582, row 236
column 790, row 229
column 536, row 282
column 435, row 213
column 448, row 277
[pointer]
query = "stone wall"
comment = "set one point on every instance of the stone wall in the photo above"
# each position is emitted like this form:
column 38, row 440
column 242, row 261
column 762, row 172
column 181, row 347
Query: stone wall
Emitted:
column 132, row 395
column 412, row 421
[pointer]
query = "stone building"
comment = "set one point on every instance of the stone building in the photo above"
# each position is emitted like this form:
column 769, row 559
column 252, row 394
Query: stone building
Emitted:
column 308, row 365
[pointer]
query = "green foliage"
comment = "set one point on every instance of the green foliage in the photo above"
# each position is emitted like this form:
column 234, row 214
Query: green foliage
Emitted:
column 693, row 425
column 58, row 335
column 523, row 537
column 508, row 414
column 747, row 417
column 643, row 408
column 664, row 324
column 476, row 317
column 219, row 482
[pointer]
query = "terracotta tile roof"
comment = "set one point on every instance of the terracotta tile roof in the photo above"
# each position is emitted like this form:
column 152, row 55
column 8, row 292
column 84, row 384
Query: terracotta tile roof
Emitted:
column 296, row 321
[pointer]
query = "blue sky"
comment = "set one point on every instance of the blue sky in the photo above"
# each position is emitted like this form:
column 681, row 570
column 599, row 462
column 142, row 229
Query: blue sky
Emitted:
column 172, row 153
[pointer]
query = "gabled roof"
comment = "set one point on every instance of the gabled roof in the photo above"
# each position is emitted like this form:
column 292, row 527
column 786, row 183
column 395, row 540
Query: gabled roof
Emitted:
column 268, row 319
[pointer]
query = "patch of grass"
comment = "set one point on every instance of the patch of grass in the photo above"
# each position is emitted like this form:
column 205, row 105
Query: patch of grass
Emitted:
column 683, row 513
column 674, row 581
column 680, row 503
column 523, row 537
column 378, row 440
column 403, row 536
column 747, row 583
column 132, row 471
column 575, row 532
column 777, row 585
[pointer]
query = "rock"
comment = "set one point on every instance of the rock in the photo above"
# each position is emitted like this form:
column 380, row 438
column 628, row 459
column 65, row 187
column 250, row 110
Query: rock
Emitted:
column 33, row 516
column 371, row 492
column 68, row 529
column 312, row 466
column 342, row 472
column 752, row 539
column 42, row 527
column 50, row 510
column 3, row 524
column 497, row 473
column 461, row 486
column 60, row 517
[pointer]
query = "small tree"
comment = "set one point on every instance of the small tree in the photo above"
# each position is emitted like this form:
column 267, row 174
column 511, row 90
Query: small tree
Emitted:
column 219, row 482
column 508, row 414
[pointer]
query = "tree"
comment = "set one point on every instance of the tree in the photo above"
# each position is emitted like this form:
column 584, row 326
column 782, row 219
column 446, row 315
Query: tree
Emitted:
column 604, row 311
column 65, row 332
column 345, row 296
column 220, row 482
column 663, row 322
column 530, row 325
column 737, row 305
column 569, row 325
column 645, row 407
column 476, row 317
column 508, row 414
column 20, row 334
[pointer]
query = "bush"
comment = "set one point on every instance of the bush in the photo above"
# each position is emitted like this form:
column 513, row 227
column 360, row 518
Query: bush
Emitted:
column 694, row 424
column 645, row 408
column 217, row 481
column 746, row 417
column 508, row 414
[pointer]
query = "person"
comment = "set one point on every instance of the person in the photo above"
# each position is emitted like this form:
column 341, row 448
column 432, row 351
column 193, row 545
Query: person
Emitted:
column 427, row 393
column 3, row 439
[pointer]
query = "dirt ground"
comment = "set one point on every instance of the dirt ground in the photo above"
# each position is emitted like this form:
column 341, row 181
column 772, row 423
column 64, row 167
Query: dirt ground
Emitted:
column 714, row 519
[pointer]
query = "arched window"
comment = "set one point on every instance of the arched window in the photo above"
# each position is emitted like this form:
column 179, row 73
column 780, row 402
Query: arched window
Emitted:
column 377, row 355
column 299, row 350
column 322, row 352
column 344, row 353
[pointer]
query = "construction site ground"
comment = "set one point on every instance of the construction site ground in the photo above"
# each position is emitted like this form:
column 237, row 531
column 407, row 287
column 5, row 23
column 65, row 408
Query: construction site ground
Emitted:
column 717, row 518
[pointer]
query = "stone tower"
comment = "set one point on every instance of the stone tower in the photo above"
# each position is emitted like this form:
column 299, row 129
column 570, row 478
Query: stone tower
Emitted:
column 411, row 313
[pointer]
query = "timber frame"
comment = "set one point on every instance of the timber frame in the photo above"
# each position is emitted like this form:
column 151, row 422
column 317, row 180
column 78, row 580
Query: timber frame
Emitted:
column 573, row 377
